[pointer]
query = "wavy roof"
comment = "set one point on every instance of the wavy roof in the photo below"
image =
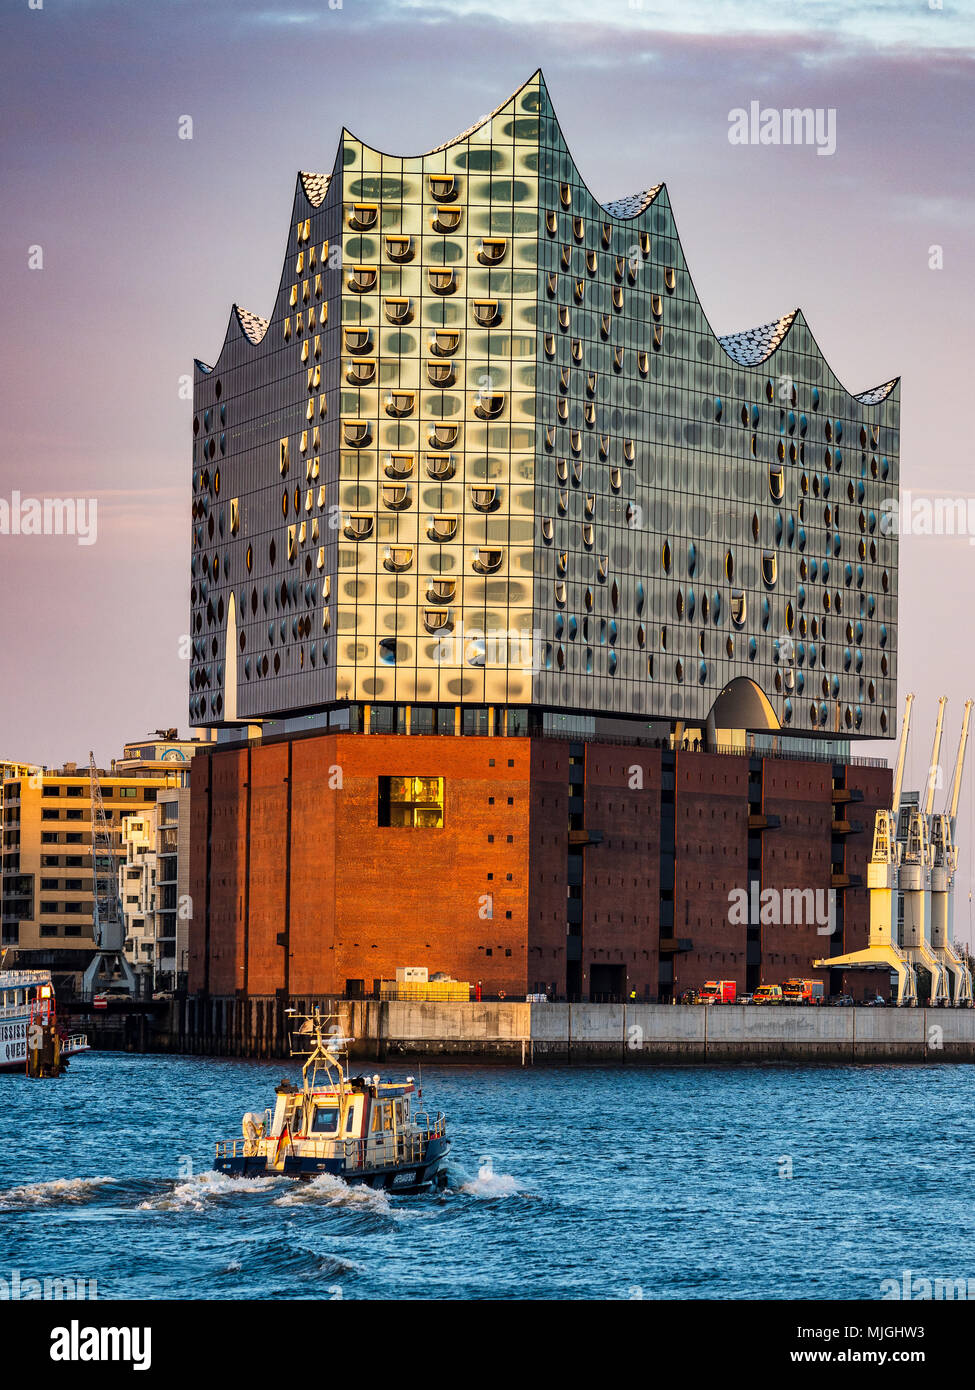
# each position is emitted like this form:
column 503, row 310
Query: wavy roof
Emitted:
column 753, row 345
column 749, row 347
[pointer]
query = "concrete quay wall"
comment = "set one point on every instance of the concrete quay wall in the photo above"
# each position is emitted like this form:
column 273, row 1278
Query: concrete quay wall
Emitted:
column 526, row 1034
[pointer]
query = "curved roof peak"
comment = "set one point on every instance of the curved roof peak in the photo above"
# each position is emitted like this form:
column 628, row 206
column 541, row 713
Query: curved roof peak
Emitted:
column 251, row 325
column 315, row 186
column 876, row 394
column 483, row 120
column 633, row 204
column 754, row 345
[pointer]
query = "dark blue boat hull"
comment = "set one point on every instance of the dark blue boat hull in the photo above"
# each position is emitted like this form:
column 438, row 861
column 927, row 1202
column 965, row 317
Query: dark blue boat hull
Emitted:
column 405, row 1177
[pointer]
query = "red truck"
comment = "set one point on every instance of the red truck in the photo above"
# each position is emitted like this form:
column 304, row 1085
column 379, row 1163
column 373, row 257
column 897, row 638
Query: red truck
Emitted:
column 718, row 992
column 802, row 991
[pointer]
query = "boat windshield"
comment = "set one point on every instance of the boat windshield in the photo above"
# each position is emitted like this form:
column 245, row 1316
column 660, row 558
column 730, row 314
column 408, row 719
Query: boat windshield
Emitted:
column 326, row 1119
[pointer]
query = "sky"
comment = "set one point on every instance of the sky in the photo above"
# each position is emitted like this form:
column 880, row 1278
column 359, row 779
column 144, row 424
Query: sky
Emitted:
column 147, row 239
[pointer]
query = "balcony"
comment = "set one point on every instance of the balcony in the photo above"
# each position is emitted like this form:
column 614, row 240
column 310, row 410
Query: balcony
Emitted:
column 763, row 822
column 672, row 945
column 583, row 839
column 843, row 795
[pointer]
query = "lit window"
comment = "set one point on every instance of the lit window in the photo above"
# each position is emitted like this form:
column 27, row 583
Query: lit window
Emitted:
column 411, row 802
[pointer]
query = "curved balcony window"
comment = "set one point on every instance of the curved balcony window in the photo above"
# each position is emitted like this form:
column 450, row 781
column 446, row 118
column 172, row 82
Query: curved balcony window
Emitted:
column 643, row 362
column 565, row 194
column 442, row 281
column 442, row 528
column 441, row 374
column 562, row 470
column 552, row 284
column 361, row 372
column 564, row 316
column 441, row 590
column 447, row 220
column 363, row 216
column 444, row 436
column 579, row 291
column 549, row 343
column 589, row 412
column 562, row 561
column 356, row 433
column 670, row 279
column 656, row 306
column 575, row 441
column 396, row 496
column 560, row 591
column 484, row 497
column 605, row 325
column 629, row 450
column 565, row 257
column 615, row 479
column 398, row 310
column 398, row 558
column 551, row 222
column 363, row 278
column 441, row 466
column 739, row 607
column 617, row 359
column 444, row 342
column 587, row 535
column 590, row 505
column 487, row 312
column 603, row 446
column 487, row 559
column 592, row 262
column 443, row 188
column 776, row 483
column 399, row 465
column 358, row 526
column 437, row 620
column 358, row 341
column 770, row 568
column 400, row 403
column 491, row 250
column 489, row 405
column 399, row 248
column 578, row 229
column 617, row 296
column 575, row 348
column 548, row 529
column 658, row 338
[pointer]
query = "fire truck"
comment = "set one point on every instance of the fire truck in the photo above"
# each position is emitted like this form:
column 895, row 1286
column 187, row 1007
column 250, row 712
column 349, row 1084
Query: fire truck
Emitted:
column 802, row 991
column 718, row 992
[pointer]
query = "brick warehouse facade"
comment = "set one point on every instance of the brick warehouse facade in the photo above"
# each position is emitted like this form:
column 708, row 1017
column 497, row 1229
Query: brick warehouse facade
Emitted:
column 587, row 870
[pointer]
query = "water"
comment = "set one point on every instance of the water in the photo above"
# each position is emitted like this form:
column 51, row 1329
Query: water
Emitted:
column 564, row 1183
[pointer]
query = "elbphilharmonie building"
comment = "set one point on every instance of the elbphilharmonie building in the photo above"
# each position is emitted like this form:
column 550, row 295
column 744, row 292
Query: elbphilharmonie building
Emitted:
column 531, row 619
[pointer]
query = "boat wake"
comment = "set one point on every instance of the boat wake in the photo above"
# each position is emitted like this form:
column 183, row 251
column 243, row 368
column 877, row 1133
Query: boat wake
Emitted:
column 334, row 1192
column 57, row 1190
column 487, row 1185
column 194, row 1193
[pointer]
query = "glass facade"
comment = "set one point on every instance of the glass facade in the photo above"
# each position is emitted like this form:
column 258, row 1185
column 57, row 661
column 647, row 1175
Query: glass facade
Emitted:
column 488, row 451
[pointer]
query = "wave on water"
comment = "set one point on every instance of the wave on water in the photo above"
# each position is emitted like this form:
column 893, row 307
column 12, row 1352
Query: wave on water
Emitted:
column 192, row 1194
column 335, row 1192
column 487, row 1184
column 43, row 1194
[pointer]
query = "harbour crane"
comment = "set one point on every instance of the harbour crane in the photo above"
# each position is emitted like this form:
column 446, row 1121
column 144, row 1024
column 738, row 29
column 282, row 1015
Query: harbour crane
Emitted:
column 944, row 862
column 109, row 965
column 914, row 881
column 882, row 951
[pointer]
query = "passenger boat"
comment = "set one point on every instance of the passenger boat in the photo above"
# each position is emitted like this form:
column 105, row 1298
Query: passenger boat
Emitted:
column 27, row 997
column 359, row 1128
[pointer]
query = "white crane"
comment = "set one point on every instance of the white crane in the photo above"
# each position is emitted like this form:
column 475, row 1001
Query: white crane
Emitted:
column 944, row 861
column 108, row 965
column 914, row 882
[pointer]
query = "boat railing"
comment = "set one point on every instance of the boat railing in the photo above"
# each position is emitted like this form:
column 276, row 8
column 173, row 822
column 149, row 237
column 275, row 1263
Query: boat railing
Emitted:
column 76, row 1042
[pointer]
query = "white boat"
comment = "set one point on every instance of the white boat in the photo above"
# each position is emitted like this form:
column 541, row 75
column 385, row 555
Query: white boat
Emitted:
column 26, row 997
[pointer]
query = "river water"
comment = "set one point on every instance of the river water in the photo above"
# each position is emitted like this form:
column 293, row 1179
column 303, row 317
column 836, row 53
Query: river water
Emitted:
column 583, row 1183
